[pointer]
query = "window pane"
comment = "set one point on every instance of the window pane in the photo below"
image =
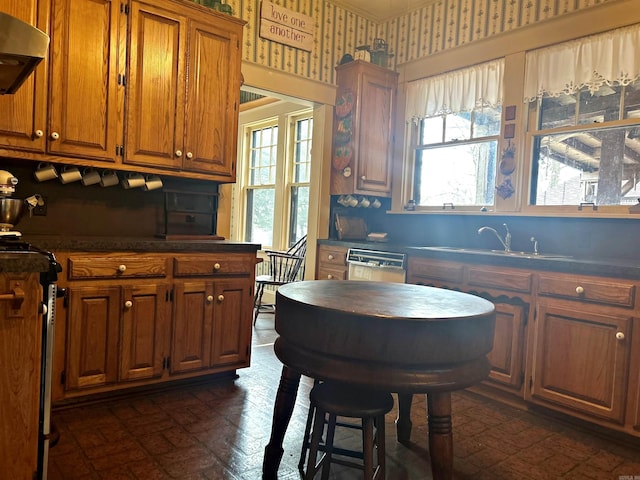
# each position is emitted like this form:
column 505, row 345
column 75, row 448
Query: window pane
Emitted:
column 299, row 213
column 457, row 174
column 486, row 122
column 558, row 111
column 260, row 215
column 602, row 106
column 457, row 126
column 302, row 151
column 431, row 130
column 632, row 100
column 263, row 156
column 597, row 165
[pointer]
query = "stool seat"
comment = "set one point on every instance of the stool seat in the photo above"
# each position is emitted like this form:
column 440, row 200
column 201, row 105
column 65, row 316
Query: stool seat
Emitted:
column 336, row 399
column 348, row 401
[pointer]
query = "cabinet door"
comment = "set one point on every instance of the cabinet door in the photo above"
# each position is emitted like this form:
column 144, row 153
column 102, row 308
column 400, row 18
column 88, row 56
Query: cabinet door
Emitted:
column 85, row 102
column 143, row 331
column 192, row 325
column 20, row 355
column 232, row 321
column 24, row 114
column 375, row 134
column 155, row 86
column 508, row 345
column 213, row 98
column 581, row 360
column 92, row 342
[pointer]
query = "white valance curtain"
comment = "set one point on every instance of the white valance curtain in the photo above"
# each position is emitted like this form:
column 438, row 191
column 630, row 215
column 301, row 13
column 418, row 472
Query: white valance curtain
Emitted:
column 460, row 91
column 610, row 58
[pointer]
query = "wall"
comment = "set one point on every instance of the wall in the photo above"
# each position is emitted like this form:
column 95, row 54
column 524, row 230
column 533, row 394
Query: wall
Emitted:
column 440, row 26
column 76, row 210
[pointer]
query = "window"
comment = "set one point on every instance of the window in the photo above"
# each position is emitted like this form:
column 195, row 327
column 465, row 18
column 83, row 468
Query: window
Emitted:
column 584, row 123
column 456, row 159
column 278, row 167
column 261, row 187
column 457, row 118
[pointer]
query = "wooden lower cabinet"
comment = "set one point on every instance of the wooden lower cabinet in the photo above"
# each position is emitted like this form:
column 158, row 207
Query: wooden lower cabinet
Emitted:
column 581, row 359
column 133, row 320
column 331, row 263
column 563, row 341
column 507, row 356
column 92, row 336
column 143, row 331
column 209, row 328
column 20, row 375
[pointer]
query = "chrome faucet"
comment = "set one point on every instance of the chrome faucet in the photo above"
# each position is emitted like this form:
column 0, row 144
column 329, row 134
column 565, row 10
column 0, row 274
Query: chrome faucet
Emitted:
column 506, row 243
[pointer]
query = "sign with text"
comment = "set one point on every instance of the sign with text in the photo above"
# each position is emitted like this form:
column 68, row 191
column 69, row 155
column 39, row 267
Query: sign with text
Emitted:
column 286, row 26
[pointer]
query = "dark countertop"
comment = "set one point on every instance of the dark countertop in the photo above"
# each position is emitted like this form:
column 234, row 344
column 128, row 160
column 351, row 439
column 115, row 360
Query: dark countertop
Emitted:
column 612, row 267
column 21, row 262
column 120, row 244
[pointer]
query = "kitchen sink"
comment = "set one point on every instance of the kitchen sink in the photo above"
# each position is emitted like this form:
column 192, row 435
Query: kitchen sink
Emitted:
column 501, row 253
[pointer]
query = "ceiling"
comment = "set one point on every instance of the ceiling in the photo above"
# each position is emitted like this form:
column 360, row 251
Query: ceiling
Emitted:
column 380, row 10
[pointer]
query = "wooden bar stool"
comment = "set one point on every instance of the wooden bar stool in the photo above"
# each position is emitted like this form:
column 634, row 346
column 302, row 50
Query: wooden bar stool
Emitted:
column 336, row 399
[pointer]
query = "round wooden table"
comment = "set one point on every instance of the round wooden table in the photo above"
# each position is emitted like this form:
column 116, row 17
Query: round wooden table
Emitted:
column 392, row 336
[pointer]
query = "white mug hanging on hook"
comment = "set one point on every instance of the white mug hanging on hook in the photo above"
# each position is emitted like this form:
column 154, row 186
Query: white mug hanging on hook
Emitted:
column 90, row 176
column 132, row 180
column 152, row 182
column 70, row 174
column 45, row 171
column 109, row 178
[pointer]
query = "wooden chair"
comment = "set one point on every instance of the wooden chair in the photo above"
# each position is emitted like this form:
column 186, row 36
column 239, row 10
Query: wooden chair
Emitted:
column 284, row 267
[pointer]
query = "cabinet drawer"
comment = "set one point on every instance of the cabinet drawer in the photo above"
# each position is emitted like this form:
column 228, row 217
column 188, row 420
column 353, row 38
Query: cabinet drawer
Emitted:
column 325, row 273
column 332, row 255
column 443, row 271
column 500, row 278
column 207, row 266
column 597, row 290
column 93, row 266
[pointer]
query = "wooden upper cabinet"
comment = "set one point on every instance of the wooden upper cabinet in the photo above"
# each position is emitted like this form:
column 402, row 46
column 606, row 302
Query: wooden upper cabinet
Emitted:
column 156, row 86
column 363, row 139
column 183, row 90
column 213, row 98
column 24, row 114
column 85, row 101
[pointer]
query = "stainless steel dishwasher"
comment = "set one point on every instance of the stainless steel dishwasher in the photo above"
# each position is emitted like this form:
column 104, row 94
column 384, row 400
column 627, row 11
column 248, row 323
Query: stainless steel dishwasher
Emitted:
column 376, row 265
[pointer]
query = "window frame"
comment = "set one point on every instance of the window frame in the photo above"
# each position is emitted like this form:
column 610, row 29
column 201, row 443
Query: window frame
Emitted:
column 417, row 146
column 283, row 177
column 532, row 131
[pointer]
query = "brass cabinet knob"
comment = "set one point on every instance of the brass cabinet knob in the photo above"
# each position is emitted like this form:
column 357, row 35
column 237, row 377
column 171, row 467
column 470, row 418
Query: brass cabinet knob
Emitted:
column 579, row 290
column 329, row 277
column 39, row 133
column 55, row 136
column 122, row 268
column 210, row 299
column 330, row 257
column 619, row 336
column 216, row 266
column 128, row 304
column 363, row 177
column 220, row 298
column 178, row 153
column 189, row 155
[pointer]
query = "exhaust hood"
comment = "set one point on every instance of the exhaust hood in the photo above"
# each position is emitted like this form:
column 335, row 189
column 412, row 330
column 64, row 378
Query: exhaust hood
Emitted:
column 22, row 48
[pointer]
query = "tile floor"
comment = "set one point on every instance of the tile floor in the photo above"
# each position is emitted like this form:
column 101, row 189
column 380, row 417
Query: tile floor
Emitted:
column 219, row 430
